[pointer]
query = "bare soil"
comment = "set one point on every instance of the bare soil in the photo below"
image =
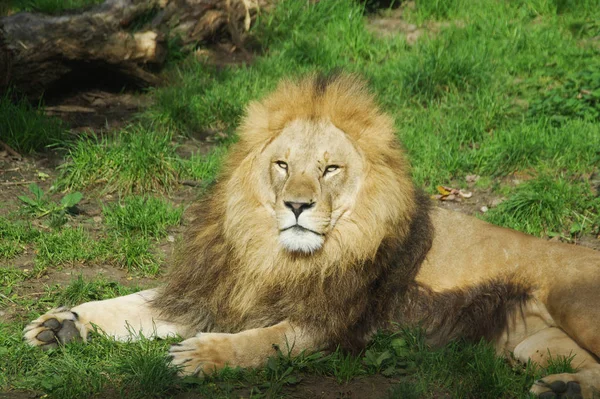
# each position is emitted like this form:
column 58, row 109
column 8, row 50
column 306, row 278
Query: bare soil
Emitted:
column 392, row 22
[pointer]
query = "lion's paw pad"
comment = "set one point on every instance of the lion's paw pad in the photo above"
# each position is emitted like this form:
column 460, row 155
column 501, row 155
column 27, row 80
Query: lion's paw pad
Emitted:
column 54, row 328
column 560, row 390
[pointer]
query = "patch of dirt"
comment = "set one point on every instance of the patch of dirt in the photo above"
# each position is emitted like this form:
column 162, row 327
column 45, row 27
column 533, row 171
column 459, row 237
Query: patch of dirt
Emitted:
column 96, row 110
column 371, row 387
column 473, row 205
column 392, row 23
column 589, row 241
column 472, row 200
column 22, row 395
column 224, row 54
column 319, row 387
column 17, row 174
column 310, row 387
column 34, row 288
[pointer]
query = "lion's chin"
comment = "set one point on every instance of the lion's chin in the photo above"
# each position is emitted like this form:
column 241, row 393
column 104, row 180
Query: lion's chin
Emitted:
column 301, row 240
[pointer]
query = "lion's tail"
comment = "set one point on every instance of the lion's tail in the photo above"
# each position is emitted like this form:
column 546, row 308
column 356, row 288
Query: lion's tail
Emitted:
column 473, row 313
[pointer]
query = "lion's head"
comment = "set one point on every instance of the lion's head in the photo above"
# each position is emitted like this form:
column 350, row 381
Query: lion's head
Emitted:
column 319, row 167
column 311, row 173
column 314, row 201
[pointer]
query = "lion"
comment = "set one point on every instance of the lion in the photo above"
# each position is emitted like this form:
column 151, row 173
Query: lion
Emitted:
column 314, row 237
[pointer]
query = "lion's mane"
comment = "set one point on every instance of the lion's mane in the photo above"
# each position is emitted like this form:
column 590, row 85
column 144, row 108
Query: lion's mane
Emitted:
column 229, row 274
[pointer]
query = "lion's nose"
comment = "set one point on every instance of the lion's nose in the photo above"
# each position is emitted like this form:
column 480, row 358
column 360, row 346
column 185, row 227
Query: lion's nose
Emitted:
column 298, row 207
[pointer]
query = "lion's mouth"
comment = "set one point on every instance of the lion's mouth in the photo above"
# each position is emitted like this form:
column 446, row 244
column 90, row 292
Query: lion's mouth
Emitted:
column 298, row 228
column 298, row 238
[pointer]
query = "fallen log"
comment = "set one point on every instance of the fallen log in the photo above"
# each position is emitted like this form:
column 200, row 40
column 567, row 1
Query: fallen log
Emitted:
column 127, row 37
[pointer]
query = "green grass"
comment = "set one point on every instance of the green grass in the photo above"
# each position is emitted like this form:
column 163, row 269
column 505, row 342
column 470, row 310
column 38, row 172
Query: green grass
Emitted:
column 148, row 216
column 25, row 128
column 548, row 207
column 14, row 235
column 204, row 168
column 68, row 246
column 141, row 369
column 138, row 160
column 134, row 253
column 80, row 290
column 498, row 89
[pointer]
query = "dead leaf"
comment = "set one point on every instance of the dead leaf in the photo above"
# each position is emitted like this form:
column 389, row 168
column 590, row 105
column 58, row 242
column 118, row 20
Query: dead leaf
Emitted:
column 465, row 194
column 444, row 190
column 42, row 176
column 472, row 178
column 451, row 194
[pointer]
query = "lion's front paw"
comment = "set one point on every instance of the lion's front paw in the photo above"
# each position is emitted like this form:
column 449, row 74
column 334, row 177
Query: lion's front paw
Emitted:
column 579, row 385
column 556, row 389
column 204, row 353
column 58, row 326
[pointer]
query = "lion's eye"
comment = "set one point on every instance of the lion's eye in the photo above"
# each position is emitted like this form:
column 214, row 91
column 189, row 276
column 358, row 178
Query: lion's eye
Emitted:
column 331, row 169
column 282, row 165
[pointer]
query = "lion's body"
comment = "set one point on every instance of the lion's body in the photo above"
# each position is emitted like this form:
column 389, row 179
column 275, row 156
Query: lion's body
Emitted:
column 314, row 237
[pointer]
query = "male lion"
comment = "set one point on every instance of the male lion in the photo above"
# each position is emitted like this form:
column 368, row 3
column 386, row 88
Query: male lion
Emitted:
column 314, row 237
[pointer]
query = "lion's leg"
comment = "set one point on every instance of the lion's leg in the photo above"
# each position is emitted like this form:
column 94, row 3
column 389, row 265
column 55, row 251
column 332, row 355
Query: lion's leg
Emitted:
column 208, row 352
column 552, row 342
column 122, row 318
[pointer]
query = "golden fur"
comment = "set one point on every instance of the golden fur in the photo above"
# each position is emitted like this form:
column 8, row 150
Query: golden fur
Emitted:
column 314, row 236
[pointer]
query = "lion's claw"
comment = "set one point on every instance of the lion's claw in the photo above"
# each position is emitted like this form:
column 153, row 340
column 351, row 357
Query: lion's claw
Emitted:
column 202, row 354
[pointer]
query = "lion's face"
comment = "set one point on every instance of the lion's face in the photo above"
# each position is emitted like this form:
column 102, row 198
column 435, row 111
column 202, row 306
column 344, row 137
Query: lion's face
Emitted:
column 314, row 173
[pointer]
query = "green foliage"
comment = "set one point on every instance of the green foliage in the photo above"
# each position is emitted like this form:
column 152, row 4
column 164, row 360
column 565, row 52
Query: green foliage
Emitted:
column 16, row 358
column 72, row 376
column 454, row 63
column 138, row 160
column 148, row 216
column 40, row 205
column 66, row 246
column 294, row 36
column 146, row 372
column 560, row 364
column 202, row 99
column 14, row 236
column 578, row 97
column 134, row 253
column 135, row 223
column 436, row 9
column 9, row 279
column 204, row 168
column 25, row 128
column 79, row 291
column 549, row 206
column 540, row 146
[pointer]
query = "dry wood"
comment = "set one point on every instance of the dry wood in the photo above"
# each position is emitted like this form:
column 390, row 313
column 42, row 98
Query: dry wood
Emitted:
column 10, row 150
column 36, row 50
